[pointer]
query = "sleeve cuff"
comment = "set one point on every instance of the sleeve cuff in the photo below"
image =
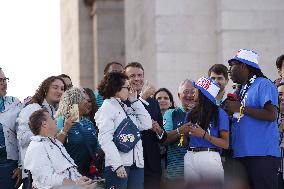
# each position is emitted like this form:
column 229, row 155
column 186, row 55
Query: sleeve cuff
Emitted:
column 143, row 101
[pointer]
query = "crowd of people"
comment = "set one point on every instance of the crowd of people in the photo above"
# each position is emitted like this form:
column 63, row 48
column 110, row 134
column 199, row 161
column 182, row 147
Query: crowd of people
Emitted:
column 127, row 134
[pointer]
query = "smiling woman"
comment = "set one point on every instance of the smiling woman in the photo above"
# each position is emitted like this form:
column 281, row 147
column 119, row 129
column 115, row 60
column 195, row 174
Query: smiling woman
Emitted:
column 30, row 43
column 47, row 96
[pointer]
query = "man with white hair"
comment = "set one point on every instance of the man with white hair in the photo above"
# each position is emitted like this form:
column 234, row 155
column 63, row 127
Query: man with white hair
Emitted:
column 174, row 124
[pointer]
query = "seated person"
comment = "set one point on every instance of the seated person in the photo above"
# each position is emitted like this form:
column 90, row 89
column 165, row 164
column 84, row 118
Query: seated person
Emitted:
column 47, row 159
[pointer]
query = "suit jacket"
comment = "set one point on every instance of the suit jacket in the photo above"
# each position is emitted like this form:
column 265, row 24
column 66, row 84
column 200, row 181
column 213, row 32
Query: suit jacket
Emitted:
column 150, row 140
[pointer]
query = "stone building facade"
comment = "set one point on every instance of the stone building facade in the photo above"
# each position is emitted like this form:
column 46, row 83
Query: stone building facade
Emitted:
column 173, row 39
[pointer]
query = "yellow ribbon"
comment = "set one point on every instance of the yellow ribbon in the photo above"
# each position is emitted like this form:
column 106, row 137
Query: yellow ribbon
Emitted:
column 180, row 140
column 242, row 108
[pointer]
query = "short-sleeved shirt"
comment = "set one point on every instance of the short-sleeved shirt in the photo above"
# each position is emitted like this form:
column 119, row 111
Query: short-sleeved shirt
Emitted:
column 213, row 130
column 173, row 119
column 75, row 143
column 254, row 137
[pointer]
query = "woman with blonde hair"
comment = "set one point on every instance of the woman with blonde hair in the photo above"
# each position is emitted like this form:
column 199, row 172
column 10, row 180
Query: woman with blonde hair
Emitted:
column 78, row 133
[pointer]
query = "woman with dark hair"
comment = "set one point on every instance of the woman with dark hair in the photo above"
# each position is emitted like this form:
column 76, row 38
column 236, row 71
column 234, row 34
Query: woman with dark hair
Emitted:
column 165, row 99
column 208, row 134
column 92, row 107
column 124, row 169
column 47, row 96
column 166, row 102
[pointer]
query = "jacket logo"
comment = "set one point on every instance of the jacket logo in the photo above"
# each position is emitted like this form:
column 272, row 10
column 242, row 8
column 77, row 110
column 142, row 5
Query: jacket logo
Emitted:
column 126, row 138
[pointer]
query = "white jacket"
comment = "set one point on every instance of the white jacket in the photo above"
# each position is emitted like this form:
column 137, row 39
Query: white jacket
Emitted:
column 24, row 133
column 8, row 119
column 49, row 163
column 108, row 118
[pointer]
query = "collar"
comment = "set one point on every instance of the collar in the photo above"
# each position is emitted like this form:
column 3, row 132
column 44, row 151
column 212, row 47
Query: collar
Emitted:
column 51, row 109
column 182, row 108
column 143, row 101
column 39, row 138
column 224, row 97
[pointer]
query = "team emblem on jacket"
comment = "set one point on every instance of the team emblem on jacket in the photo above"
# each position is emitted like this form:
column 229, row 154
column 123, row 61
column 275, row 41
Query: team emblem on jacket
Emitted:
column 127, row 138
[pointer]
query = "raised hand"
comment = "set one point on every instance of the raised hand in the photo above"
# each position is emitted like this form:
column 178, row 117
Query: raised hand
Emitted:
column 156, row 127
column 148, row 90
column 132, row 95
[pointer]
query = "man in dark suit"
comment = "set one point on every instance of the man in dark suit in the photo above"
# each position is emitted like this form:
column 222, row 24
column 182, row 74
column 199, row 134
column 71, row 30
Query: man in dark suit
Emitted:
column 150, row 138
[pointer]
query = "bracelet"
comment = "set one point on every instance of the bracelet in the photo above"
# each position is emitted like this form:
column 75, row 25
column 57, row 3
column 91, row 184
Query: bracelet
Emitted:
column 63, row 132
column 242, row 109
column 204, row 134
column 177, row 130
column 181, row 140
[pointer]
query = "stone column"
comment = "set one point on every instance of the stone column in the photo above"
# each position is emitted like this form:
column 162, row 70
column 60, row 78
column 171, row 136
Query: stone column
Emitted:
column 77, row 42
column 140, row 35
column 108, row 24
column 174, row 40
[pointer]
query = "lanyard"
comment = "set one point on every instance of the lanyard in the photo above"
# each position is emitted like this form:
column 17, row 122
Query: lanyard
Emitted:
column 245, row 90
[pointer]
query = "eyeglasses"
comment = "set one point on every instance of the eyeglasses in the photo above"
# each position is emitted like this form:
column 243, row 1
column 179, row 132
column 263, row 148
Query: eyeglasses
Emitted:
column 128, row 88
column 4, row 80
